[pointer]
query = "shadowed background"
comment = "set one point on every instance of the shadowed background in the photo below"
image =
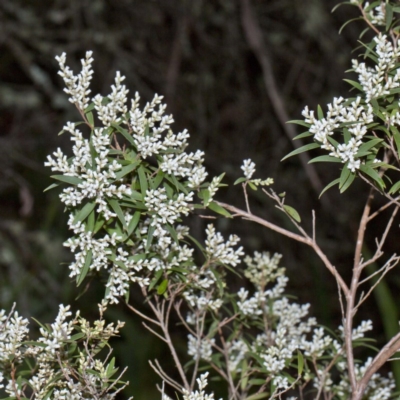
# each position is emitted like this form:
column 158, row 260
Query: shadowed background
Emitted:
column 232, row 72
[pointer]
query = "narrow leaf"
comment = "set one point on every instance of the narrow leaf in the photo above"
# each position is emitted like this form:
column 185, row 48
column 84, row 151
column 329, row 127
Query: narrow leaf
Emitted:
column 124, row 133
column 85, row 268
column 299, row 122
column 325, row 159
column 292, row 212
column 143, row 181
column 219, row 210
column 302, row 149
column 395, row 188
column 373, row 175
column 162, row 287
column 300, row 363
column 328, row 186
column 125, row 170
column 118, row 210
column 320, row 113
column 389, row 15
column 73, row 180
column 133, row 223
column 52, row 186
column 84, row 212
column 354, row 84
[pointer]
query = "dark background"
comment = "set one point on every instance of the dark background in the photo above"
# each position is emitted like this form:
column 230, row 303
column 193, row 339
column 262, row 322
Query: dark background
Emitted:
column 230, row 80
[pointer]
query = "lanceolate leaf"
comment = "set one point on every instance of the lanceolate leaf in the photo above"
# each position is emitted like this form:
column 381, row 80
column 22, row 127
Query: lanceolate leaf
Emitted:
column 84, row 212
column 85, row 268
column 126, row 170
column 373, row 175
column 219, row 210
column 73, row 180
column 325, row 159
column 344, row 176
column 118, row 210
column 133, row 223
column 329, row 185
column 395, row 188
column 292, row 212
column 302, row 149
column 299, row 122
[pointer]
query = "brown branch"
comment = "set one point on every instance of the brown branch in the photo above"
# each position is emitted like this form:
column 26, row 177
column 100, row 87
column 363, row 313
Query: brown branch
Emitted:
column 306, row 240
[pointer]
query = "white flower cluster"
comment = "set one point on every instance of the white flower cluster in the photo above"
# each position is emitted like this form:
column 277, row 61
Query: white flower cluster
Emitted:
column 59, row 332
column 56, row 371
column 200, row 349
column 376, row 81
column 358, row 115
column 249, row 168
column 13, row 330
column 355, row 116
column 359, row 332
column 199, row 394
column 378, row 388
column 219, row 251
column 77, row 86
column 96, row 176
column 110, row 110
column 97, row 181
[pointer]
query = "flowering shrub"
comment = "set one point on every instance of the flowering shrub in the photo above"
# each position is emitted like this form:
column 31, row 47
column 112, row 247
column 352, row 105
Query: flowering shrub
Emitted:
column 127, row 188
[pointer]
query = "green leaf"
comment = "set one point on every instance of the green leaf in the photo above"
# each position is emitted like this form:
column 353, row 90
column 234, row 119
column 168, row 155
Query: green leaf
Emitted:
column 292, row 212
column 84, row 212
column 300, row 363
column 110, row 368
column 99, row 224
column 143, row 181
column 348, row 182
column 369, row 145
column 118, row 210
column 91, row 221
column 325, row 159
column 162, row 287
column 133, row 223
column 366, row 169
column 219, row 210
column 90, row 119
column 299, row 122
column 73, row 180
column 89, row 108
column 395, row 188
column 77, row 336
column 240, row 180
column 396, row 136
column 125, row 170
column 320, row 113
column 328, row 186
column 85, row 269
column 252, row 186
column 303, row 135
column 124, row 133
column 388, row 15
column 156, row 278
column 344, row 175
column 355, row 84
column 348, row 22
column 150, row 234
column 52, row 186
column 302, row 149
column 258, row 396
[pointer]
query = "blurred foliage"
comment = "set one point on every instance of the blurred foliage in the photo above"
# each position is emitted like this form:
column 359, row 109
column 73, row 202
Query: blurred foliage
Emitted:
column 198, row 54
